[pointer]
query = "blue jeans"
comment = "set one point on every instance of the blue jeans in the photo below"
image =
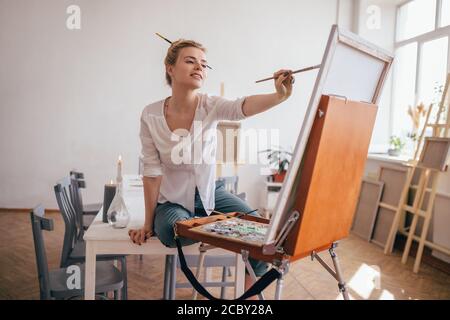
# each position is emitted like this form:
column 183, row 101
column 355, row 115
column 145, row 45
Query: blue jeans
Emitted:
column 167, row 214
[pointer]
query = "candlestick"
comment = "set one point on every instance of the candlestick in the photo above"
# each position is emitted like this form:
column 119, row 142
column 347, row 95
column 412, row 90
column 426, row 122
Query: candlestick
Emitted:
column 222, row 89
column 119, row 170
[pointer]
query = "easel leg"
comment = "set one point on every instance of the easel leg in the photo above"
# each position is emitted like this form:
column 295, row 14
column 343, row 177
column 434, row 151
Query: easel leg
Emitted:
column 250, row 270
column 389, row 246
column 412, row 230
column 421, row 244
column 341, row 283
column 279, row 287
column 283, row 268
column 418, row 200
column 426, row 224
column 336, row 273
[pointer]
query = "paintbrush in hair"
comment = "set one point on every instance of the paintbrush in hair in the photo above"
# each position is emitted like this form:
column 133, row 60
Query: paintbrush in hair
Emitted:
column 164, row 38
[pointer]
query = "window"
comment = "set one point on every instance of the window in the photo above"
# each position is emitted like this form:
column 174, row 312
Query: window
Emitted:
column 421, row 58
column 445, row 17
column 404, row 86
column 432, row 69
column 415, row 18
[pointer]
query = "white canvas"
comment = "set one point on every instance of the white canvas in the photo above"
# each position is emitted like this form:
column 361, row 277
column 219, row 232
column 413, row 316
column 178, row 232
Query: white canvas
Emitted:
column 353, row 74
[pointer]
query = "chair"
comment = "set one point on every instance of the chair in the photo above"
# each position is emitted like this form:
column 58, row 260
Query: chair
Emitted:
column 231, row 185
column 89, row 211
column 74, row 247
column 53, row 283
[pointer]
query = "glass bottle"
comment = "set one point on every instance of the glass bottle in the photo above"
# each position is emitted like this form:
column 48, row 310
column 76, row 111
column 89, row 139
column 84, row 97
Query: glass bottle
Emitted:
column 118, row 215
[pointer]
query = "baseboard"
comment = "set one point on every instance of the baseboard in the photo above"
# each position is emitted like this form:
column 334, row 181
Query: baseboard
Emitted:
column 25, row 210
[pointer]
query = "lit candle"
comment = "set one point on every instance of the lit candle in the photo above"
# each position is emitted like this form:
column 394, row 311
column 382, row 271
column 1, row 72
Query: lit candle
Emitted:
column 222, row 89
column 119, row 170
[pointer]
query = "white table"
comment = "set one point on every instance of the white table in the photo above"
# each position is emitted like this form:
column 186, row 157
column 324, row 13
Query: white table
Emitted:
column 101, row 238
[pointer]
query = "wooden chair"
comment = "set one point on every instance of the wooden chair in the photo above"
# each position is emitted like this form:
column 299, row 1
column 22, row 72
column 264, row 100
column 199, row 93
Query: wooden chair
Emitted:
column 53, row 283
column 231, row 185
column 74, row 247
column 89, row 210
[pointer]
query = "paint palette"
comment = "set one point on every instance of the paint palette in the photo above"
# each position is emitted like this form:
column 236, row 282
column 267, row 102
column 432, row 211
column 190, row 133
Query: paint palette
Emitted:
column 237, row 229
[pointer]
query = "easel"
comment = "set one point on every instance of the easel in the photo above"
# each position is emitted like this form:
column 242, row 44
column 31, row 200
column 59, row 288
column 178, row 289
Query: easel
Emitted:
column 228, row 146
column 321, row 214
column 228, row 149
column 429, row 175
column 331, row 150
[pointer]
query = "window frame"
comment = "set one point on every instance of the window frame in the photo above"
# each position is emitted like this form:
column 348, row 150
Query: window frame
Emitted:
column 437, row 33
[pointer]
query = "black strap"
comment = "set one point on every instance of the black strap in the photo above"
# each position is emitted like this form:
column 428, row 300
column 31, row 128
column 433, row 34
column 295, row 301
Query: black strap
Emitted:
column 255, row 289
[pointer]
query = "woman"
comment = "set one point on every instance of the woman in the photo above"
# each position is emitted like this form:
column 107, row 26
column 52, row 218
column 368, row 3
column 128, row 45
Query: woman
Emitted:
column 179, row 185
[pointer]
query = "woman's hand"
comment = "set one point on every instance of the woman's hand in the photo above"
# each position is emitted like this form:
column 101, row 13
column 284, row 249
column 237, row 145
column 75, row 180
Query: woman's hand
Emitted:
column 259, row 103
column 140, row 236
column 283, row 83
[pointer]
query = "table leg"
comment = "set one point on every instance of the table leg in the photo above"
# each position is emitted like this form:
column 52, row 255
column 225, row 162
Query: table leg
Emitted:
column 89, row 279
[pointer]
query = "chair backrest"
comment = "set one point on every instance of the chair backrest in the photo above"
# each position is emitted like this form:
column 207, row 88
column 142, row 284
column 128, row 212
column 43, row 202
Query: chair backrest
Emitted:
column 230, row 183
column 78, row 175
column 75, row 194
column 39, row 223
column 70, row 216
column 76, row 184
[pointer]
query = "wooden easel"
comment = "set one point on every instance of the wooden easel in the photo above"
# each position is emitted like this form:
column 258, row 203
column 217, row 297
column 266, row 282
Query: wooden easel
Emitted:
column 229, row 142
column 228, row 146
column 322, row 213
column 428, row 175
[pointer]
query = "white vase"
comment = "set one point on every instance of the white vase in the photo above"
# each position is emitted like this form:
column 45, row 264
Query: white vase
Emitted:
column 118, row 215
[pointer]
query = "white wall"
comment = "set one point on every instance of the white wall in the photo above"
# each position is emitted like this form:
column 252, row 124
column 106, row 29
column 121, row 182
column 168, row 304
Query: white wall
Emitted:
column 383, row 35
column 346, row 15
column 72, row 98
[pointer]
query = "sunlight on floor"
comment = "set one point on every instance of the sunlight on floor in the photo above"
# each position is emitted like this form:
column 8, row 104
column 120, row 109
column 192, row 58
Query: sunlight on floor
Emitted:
column 366, row 280
column 386, row 295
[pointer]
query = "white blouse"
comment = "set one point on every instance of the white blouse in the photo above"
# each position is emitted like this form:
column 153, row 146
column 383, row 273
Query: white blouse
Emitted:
column 186, row 160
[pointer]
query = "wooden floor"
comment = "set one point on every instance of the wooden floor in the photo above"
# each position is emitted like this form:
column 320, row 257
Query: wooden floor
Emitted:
column 361, row 263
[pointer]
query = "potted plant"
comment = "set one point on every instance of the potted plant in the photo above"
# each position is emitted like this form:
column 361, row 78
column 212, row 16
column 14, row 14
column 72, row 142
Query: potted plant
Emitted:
column 416, row 114
column 279, row 160
column 396, row 146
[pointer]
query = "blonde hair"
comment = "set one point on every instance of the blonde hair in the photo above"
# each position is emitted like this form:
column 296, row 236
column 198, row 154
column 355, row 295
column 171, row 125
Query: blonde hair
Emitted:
column 174, row 51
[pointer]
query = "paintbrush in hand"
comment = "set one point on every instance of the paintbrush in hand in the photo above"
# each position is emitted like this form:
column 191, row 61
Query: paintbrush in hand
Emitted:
column 293, row 72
